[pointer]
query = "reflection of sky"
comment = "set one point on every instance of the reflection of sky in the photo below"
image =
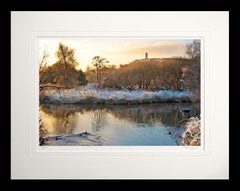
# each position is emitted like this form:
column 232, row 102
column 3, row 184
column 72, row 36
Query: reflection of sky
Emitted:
column 116, row 50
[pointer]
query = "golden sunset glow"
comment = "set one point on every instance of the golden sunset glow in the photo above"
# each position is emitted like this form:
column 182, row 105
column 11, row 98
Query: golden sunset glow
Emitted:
column 116, row 50
column 109, row 91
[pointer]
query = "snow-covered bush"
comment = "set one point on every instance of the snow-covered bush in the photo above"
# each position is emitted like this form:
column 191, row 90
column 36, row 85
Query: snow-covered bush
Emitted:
column 192, row 134
column 90, row 92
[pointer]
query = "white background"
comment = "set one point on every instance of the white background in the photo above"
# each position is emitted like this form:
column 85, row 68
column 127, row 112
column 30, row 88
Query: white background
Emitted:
column 211, row 161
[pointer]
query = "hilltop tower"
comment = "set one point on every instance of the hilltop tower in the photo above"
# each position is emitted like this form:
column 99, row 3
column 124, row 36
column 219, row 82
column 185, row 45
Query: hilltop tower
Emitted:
column 146, row 55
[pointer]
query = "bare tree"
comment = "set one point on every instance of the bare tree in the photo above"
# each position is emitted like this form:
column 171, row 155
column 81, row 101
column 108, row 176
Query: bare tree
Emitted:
column 66, row 58
column 192, row 77
column 193, row 49
column 99, row 62
column 43, row 61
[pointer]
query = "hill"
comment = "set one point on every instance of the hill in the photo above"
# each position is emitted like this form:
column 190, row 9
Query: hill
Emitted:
column 158, row 61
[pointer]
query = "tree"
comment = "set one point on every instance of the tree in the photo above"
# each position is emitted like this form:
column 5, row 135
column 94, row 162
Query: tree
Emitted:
column 43, row 61
column 99, row 62
column 65, row 72
column 81, row 78
column 192, row 78
column 47, row 75
column 62, row 78
column 43, row 66
column 62, row 73
column 193, row 49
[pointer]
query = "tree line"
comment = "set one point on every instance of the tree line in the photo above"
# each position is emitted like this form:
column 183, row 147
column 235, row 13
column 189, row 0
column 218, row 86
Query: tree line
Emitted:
column 147, row 74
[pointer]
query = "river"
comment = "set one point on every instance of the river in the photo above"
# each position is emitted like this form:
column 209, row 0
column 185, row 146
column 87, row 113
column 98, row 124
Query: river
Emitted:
column 112, row 125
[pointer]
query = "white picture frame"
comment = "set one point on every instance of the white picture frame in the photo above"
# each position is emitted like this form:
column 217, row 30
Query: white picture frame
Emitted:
column 210, row 161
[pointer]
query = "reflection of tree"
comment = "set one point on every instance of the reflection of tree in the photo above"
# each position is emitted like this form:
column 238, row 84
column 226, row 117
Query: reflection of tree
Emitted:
column 56, row 111
column 65, row 125
column 167, row 114
column 42, row 129
column 64, row 118
column 99, row 118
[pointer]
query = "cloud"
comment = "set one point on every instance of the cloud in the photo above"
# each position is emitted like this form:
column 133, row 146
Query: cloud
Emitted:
column 162, row 48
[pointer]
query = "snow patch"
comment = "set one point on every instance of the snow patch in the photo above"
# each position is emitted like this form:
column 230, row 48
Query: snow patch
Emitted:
column 91, row 92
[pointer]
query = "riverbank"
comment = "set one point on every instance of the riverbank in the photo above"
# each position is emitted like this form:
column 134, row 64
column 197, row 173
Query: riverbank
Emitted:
column 192, row 133
column 89, row 94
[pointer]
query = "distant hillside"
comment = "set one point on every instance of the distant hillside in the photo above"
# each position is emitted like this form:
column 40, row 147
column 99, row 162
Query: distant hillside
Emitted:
column 160, row 61
column 153, row 59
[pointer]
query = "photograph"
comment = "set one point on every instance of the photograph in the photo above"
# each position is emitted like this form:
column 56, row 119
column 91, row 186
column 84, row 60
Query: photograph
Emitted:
column 119, row 91
column 119, row 95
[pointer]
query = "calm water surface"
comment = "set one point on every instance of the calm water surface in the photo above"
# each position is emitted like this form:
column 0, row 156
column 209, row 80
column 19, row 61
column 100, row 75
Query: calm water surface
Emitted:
column 137, row 125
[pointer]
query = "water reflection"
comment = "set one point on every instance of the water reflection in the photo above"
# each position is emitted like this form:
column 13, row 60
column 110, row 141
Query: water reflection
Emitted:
column 167, row 114
column 112, row 122
column 98, row 118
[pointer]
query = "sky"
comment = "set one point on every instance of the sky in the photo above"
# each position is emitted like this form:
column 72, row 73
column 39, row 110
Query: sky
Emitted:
column 116, row 50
